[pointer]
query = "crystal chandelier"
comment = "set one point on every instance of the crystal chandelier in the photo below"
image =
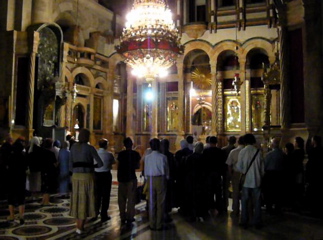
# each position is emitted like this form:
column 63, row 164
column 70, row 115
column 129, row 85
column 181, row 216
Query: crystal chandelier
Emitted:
column 150, row 42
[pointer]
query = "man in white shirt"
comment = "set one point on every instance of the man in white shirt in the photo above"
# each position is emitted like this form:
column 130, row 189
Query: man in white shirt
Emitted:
column 157, row 173
column 235, row 176
column 104, row 180
column 252, row 183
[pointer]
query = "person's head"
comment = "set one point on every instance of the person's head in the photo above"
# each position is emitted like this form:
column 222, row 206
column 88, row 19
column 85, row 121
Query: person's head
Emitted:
column 127, row 142
column 66, row 145
column 249, row 139
column 18, row 145
column 213, row 141
column 84, row 136
column 164, row 145
column 189, row 139
column 316, row 141
column 299, row 142
column 183, row 143
column 275, row 142
column 154, row 144
column 48, row 143
column 240, row 140
column 57, row 143
column 232, row 140
column 103, row 143
column 198, row 147
column 289, row 148
column 207, row 140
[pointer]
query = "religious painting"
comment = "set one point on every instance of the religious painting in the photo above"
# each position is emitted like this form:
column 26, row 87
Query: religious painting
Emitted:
column 49, row 115
column 97, row 119
column 147, row 116
column 172, row 114
column 232, row 109
column 202, row 120
column 257, row 103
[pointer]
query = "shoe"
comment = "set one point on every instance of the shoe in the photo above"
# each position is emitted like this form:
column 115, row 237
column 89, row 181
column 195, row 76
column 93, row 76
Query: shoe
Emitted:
column 93, row 219
column 130, row 220
column 152, row 229
column 22, row 221
column 79, row 231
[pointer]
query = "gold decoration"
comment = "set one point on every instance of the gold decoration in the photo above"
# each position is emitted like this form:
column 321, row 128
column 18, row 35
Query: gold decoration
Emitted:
column 201, row 78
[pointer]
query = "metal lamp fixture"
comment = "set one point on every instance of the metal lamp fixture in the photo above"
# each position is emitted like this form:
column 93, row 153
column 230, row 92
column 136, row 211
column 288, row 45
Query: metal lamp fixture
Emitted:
column 150, row 42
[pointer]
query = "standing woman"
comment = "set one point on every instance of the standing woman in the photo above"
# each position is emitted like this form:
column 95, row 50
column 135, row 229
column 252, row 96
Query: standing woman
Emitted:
column 83, row 198
column 17, row 166
column 64, row 168
column 298, row 172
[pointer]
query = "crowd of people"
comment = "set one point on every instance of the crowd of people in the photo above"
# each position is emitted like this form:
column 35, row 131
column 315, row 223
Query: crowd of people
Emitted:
column 198, row 179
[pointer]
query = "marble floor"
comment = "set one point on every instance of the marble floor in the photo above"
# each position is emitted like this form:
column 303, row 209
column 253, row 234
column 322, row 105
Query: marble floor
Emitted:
column 53, row 222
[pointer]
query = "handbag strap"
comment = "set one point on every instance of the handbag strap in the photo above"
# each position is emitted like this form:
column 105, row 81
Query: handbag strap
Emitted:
column 253, row 159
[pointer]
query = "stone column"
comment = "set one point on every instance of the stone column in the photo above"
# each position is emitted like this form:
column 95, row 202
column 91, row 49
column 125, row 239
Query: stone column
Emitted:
column 243, row 91
column 214, row 98
column 181, row 109
column 180, row 97
column 109, row 106
column 154, row 124
column 247, row 101
column 31, row 84
column 284, row 74
column 313, row 85
column 219, row 104
column 129, row 128
column 41, row 11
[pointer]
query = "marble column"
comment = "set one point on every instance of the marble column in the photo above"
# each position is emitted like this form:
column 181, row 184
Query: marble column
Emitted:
column 129, row 123
column 313, row 85
column 284, row 73
column 154, row 124
column 243, row 77
column 214, row 100
column 180, row 97
column 31, row 84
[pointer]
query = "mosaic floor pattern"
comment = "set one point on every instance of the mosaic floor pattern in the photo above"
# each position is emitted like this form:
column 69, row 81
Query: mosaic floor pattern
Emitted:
column 53, row 222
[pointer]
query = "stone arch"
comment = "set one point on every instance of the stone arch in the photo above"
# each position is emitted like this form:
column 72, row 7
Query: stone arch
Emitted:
column 194, row 45
column 199, row 106
column 260, row 43
column 225, row 46
column 100, row 80
column 86, row 72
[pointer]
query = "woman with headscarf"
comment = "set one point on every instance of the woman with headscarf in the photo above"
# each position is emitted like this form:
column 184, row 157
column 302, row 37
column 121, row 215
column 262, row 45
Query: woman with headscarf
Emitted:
column 83, row 199
column 17, row 166
column 34, row 159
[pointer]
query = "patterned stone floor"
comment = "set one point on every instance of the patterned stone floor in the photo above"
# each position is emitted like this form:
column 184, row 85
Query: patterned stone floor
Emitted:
column 53, row 222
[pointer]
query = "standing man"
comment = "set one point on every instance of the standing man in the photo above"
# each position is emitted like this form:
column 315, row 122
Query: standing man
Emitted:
column 226, row 177
column 251, row 191
column 214, row 159
column 157, row 173
column 235, row 176
column 128, row 162
column 104, row 180
column 273, row 179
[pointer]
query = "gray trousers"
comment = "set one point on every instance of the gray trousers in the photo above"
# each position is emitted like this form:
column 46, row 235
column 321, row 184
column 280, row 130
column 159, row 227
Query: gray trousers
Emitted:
column 127, row 199
column 157, row 192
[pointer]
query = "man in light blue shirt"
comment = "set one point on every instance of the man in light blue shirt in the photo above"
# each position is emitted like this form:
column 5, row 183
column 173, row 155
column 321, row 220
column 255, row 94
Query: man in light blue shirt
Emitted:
column 104, row 180
column 251, row 186
column 157, row 173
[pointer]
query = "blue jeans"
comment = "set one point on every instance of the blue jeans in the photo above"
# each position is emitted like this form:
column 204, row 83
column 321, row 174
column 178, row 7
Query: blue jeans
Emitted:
column 251, row 196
